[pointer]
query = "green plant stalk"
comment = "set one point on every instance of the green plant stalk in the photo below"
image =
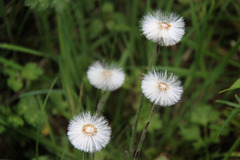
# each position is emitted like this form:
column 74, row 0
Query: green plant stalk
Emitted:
column 83, row 155
column 144, row 133
column 92, row 156
column 100, row 103
column 134, row 127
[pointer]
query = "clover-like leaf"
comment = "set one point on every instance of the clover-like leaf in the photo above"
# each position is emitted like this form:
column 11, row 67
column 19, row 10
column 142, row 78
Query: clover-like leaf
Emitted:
column 28, row 107
column 31, row 71
column 15, row 83
column 203, row 114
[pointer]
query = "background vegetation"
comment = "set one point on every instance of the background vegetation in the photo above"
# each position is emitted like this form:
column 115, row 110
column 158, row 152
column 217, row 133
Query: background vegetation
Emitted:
column 46, row 48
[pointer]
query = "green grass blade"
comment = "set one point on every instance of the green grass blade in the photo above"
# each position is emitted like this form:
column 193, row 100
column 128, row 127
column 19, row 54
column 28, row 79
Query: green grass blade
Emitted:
column 229, row 118
column 24, row 50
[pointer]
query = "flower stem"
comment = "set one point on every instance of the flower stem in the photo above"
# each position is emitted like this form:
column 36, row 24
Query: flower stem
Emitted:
column 92, row 156
column 100, row 103
column 134, row 127
column 153, row 56
column 83, row 155
column 144, row 133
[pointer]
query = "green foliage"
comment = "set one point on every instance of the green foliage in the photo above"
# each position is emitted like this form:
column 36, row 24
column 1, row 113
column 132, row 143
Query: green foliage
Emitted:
column 31, row 71
column 191, row 133
column 203, row 114
column 41, row 5
column 236, row 85
column 28, row 108
column 15, row 82
column 61, row 38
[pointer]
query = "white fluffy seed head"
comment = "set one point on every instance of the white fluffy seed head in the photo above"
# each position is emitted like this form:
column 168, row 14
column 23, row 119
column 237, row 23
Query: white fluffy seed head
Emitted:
column 105, row 77
column 162, row 89
column 163, row 28
column 89, row 133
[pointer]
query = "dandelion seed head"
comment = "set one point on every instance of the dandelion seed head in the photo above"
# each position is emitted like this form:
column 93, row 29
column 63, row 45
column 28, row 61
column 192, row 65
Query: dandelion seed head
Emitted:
column 89, row 133
column 162, row 89
column 105, row 77
column 163, row 28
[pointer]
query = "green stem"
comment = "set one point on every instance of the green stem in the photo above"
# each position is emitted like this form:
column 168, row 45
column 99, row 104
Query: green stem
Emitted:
column 92, row 156
column 134, row 127
column 144, row 133
column 83, row 155
column 100, row 103
column 153, row 56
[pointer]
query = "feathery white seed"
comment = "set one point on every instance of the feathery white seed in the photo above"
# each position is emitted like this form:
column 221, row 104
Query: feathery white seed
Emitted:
column 105, row 77
column 162, row 89
column 163, row 28
column 89, row 133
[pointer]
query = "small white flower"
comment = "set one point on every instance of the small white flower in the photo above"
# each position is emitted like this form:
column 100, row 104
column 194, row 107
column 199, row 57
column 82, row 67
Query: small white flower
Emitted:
column 163, row 28
column 105, row 77
column 89, row 133
column 162, row 89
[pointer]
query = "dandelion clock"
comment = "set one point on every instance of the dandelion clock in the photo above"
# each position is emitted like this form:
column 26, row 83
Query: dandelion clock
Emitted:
column 164, row 28
column 105, row 77
column 89, row 133
column 161, row 88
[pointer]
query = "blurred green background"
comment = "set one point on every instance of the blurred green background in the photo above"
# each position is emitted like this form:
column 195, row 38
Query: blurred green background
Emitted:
column 46, row 47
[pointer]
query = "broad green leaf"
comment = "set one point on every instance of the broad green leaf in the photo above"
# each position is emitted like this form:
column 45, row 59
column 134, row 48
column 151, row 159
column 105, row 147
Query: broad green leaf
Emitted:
column 15, row 83
column 199, row 144
column 203, row 114
column 15, row 121
column 31, row 71
column 28, row 107
column 162, row 157
column 107, row 7
column 191, row 133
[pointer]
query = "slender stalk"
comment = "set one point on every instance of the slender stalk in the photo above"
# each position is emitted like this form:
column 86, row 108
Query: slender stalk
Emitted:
column 92, row 156
column 134, row 127
column 153, row 56
column 83, row 155
column 144, row 133
column 100, row 102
